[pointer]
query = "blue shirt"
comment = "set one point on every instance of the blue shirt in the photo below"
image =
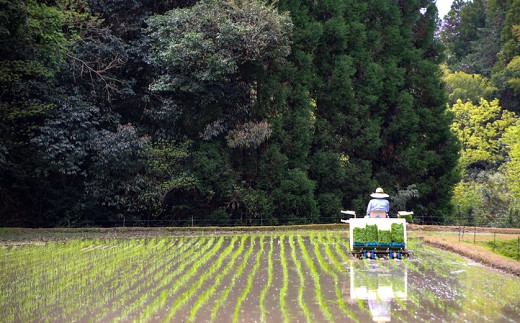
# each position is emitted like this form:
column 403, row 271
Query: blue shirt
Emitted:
column 378, row 204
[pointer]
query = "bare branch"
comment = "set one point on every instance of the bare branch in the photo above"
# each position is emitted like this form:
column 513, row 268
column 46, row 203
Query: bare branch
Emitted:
column 90, row 68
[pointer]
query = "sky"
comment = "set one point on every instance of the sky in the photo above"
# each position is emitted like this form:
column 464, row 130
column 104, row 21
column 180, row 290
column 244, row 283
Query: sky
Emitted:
column 443, row 6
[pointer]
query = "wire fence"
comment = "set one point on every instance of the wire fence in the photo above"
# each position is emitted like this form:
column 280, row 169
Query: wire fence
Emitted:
column 261, row 221
column 196, row 222
column 500, row 240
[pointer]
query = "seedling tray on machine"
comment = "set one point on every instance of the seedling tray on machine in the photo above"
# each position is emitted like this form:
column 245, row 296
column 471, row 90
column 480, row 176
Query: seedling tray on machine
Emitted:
column 392, row 248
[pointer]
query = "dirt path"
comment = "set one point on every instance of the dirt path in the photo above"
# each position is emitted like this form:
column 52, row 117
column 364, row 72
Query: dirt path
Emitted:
column 454, row 228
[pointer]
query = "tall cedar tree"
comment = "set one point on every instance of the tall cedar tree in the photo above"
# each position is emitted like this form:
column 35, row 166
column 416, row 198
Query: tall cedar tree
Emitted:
column 380, row 115
column 357, row 103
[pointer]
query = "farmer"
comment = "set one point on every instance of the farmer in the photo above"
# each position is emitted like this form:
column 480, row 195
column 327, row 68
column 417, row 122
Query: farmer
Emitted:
column 378, row 203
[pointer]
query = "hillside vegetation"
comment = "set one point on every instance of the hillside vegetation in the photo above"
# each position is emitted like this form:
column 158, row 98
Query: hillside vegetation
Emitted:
column 245, row 112
column 482, row 76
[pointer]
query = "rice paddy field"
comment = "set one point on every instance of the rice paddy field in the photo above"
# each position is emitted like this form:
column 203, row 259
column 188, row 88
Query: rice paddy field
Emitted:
column 213, row 276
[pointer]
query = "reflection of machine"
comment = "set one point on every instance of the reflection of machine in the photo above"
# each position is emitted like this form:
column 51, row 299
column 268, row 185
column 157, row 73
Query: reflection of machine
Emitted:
column 378, row 285
column 382, row 237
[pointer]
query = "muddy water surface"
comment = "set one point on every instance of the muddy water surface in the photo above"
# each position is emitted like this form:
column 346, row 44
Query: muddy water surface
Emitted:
column 432, row 286
column 302, row 281
column 278, row 277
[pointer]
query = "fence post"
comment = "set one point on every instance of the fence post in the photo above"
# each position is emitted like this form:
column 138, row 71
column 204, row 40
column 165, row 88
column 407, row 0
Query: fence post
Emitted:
column 518, row 247
column 475, row 235
column 494, row 240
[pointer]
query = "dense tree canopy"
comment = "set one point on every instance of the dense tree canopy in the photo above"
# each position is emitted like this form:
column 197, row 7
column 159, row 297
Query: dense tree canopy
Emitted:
column 223, row 112
column 480, row 129
column 468, row 87
column 484, row 77
column 512, row 140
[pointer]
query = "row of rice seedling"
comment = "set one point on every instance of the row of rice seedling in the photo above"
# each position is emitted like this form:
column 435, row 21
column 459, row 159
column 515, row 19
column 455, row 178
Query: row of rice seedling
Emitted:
column 205, row 296
column 331, row 272
column 225, row 293
column 285, row 281
column 269, row 281
column 316, row 280
column 249, row 282
column 51, row 268
column 185, row 278
column 86, row 275
column 118, row 275
column 129, row 300
column 170, row 285
column 197, row 285
column 110, row 276
column 122, row 274
column 301, row 284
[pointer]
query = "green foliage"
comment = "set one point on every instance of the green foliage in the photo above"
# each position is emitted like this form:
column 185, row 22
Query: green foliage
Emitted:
column 509, row 248
column 371, row 114
column 467, row 87
column 32, row 52
column 384, row 236
column 508, row 82
column 371, row 233
column 512, row 167
column 360, row 235
column 32, row 40
column 510, row 47
column 480, row 128
column 167, row 171
column 116, row 182
column 403, row 198
column 295, row 199
column 213, row 62
column 397, row 232
column 484, row 50
column 64, row 140
column 330, row 176
column 463, row 24
column 468, row 202
column 260, row 207
column 236, row 112
column 487, row 194
column 482, row 197
column 212, row 170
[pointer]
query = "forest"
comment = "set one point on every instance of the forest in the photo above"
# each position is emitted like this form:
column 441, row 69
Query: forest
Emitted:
column 252, row 112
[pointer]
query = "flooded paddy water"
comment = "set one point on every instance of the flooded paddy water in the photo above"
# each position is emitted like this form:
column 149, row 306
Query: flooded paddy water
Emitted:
column 299, row 276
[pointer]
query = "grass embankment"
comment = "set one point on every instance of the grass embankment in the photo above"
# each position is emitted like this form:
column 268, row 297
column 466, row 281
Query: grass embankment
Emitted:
column 30, row 235
column 474, row 243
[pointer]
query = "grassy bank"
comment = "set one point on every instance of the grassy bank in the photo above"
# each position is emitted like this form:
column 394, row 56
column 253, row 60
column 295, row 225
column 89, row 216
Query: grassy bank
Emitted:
column 476, row 246
column 46, row 234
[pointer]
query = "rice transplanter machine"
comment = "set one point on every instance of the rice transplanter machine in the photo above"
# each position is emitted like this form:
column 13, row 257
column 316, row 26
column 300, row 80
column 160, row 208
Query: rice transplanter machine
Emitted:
column 378, row 237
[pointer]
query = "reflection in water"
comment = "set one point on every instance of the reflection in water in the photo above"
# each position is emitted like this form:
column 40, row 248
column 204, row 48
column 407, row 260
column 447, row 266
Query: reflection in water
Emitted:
column 434, row 286
column 378, row 283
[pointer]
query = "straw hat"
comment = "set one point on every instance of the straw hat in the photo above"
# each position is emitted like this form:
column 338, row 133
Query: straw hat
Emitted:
column 379, row 194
